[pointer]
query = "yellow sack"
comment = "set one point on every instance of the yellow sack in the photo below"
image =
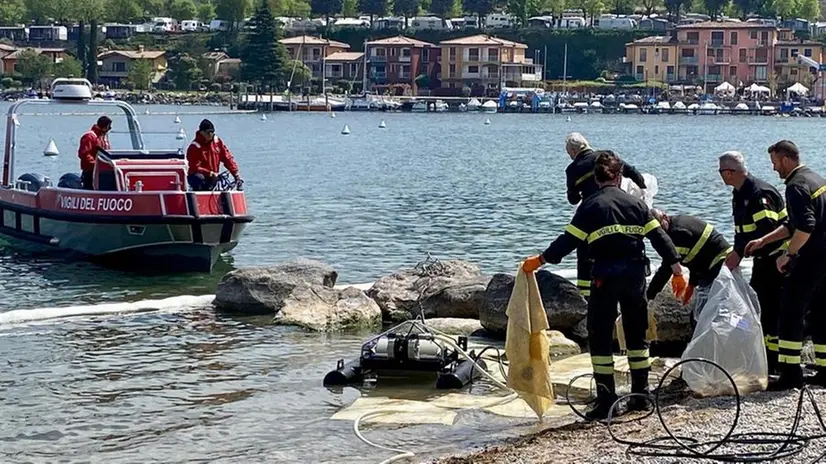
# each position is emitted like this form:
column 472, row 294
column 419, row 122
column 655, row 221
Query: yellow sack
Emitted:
column 650, row 334
column 526, row 345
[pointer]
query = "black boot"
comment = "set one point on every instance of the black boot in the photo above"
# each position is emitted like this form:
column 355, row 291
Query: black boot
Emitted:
column 791, row 376
column 774, row 366
column 819, row 379
column 606, row 397
column 639, row 384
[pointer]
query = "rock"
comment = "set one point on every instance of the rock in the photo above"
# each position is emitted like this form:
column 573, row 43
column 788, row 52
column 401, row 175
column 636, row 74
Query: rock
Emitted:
column 563, row 304
column 262, row 290
column 451, row 288
column 580, row 331
column 673, row 319
column 561, row 346
column 455, row 325
column 325, row 309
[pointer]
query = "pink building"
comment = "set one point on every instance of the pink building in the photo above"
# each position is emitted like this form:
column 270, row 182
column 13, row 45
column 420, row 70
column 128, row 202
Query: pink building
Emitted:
column 716, row 52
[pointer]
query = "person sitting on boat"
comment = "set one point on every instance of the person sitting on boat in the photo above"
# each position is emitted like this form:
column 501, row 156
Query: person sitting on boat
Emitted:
column 93, row 140
column 204, row 155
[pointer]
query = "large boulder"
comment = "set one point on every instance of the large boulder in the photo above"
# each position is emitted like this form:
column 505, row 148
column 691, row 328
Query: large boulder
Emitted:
column 325, row 309
column 455, row 326
column 262, row 290
column 451, row 288
column 564, row 306
column 673, row 319
column 559, row 345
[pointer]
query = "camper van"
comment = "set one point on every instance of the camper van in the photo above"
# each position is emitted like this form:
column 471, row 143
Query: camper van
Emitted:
column 192, row 25
column 613, row 22
column 163, row 25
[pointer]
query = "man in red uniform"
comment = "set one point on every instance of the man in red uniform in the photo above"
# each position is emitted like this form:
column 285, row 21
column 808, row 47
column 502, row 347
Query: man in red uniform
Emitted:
column 204, row 155
column 90, row 142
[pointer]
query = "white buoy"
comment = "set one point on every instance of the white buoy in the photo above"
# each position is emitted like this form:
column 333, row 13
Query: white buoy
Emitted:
column 263, row 117
column 332, row 115
column 147, row 111
column 345, row 130
column 51, row 149
column 487, row 122
column 181, row 135
column 568, row 119
column 382, row 125
column 177, row 120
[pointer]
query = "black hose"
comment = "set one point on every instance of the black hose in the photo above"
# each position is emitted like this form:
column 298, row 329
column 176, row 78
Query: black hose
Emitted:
column 673, row 446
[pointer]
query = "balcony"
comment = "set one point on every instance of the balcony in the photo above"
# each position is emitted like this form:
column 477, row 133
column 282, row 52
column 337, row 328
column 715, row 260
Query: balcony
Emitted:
column 714, row 78
column 758, row 60
column 404, row 59
column 493, row 58
column 690, row 42
column 670, row 77
column 378, row 59
column 491, row 75
column 717, row 43
column 378, row 75
column 712, row 59
column 688, row 60
column 310, row 58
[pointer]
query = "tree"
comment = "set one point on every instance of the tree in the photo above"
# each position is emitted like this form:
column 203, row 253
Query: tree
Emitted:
column 81, row 47
column 152, row 7
column 69, row 67
column 123, row 11
column 406, row 8
column 480, row 8
column 234, row 11
column 808, row 9
column 185, row 72
column 12, row 12
column 299, row 72
column 714, row 7
column 183, row 9
column 674, row 7
column 441, row 8
column 374, row 8
column 651, row 5
column 785, row 8
column 326, row 8
column 33, row 66
column 350, row 8
column 206, row 12
column 263, row 57
column 92, row 54
column 140, row 73
column 519, row 9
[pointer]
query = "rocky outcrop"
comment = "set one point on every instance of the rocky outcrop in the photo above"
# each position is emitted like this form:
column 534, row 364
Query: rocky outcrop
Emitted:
column 262, row 290
column 563, row 304
column 673, row 319
column 456, row 326
column 451, row 288
column 326, row 309
column 560, row 345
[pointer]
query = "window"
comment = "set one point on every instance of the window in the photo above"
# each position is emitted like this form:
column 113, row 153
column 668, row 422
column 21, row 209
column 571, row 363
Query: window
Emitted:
column 795, row 52
column 784, row 54
column 687, row 53
column 379, row 52
column 473, row 54
column 640, row 69
column 753, row 35
column 742, row 55
column 693, row 37
column 394, row 52
column 760, row 73
column 406, row 52
column 425, row 55
column 807, row 52
column 451, row 70
column 473, row 69
column 733, row 38
column 764, row 38
column 665, row 56
column 669, row 70
column 656, row 69
column 732, row 71
column 717, row 38
column 643, row 55
column 493, row 54
column 452, row 53
column 354, row 69
column 118, row 66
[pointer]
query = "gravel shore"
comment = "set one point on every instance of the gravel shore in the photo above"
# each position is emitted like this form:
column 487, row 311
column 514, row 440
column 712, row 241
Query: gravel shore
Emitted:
column 703, row 419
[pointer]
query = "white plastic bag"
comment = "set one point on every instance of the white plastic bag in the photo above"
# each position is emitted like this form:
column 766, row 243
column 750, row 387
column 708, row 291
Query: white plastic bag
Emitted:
column 728, row 332
column 646, row 194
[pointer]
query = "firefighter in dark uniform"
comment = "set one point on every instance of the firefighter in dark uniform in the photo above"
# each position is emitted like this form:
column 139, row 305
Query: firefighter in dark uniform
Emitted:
column 803, row 263
column 581, row 184
column 612, row 224
column 758, row 209
column 702, row 250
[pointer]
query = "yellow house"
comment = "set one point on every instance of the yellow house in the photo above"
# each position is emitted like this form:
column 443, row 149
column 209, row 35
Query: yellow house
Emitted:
column 115, row 64
column 486, row 60
column 652, row 58
column 786, row 66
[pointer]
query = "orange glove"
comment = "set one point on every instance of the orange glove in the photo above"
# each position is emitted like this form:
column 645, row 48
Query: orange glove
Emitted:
column 532, row 264
column 689, row 291
column 678, row 285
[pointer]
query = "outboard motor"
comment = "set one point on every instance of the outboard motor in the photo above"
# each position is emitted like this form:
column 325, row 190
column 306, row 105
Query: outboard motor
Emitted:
column 70, row 180
column 32, row 181
column 401, row 349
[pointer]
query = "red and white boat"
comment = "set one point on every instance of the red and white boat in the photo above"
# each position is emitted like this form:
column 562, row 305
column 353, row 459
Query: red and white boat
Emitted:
column 140, row 213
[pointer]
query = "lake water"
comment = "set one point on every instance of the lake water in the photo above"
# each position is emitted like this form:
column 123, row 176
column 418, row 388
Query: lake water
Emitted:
column 195, row 385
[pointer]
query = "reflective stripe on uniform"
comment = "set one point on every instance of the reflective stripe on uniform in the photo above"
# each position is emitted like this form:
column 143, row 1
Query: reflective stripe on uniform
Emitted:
column 771, row 343
column 197, row 145
column 616, row 229
column 744, row 229
column 603, row 364
column 781, row 248
column 585, row 292
column 583, row 283
column 789, row 345
column 699, row 245
column 682, row 250
column 766, row 213
column 651, row 225
column 637, row 353
column 584, row 178
column 819, row 192
column 721, row 257
column 784, row 358
column 576, row 232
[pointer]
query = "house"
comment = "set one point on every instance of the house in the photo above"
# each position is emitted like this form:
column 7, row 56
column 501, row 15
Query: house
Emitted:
column 345, row 66
column 652, row 58
column 400, row 59
column 219, row 63
column 716, row 52
column 115, row 64
column 312, row 50
column 14, row 33
column 10, row 57
column 785, row 54
column 488, row 61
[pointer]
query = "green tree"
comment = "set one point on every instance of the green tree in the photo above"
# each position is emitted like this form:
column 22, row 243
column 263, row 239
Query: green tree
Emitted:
column 92, row 54
column 123, row 11
column 350, row 8
column 674, row 8
column 12, row 12
column 519, row 9
column 185, row 72
column 651, row 5
column 33, row 66
column 299, row 72
column 374, row 7
column 152, row 7
column 263, row 57
column 480, row 8
column 140, row 74
column 441, row 8
column 183, row 9
column 406, row 8
column 785, row 8
column 233, row 11
column 715, row 7
column 69, row 67
column 81, row 46
column 326, row 8
column 206, row 12
column 808, row 9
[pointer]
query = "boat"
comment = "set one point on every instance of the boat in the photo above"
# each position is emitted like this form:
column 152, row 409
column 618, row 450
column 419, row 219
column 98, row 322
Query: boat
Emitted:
column 473, row 105
column 139, row 215
column 489, row 106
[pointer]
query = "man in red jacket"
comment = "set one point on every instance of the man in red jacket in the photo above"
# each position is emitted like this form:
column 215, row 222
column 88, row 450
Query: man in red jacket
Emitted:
column 204, row 156
column 90, row 143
